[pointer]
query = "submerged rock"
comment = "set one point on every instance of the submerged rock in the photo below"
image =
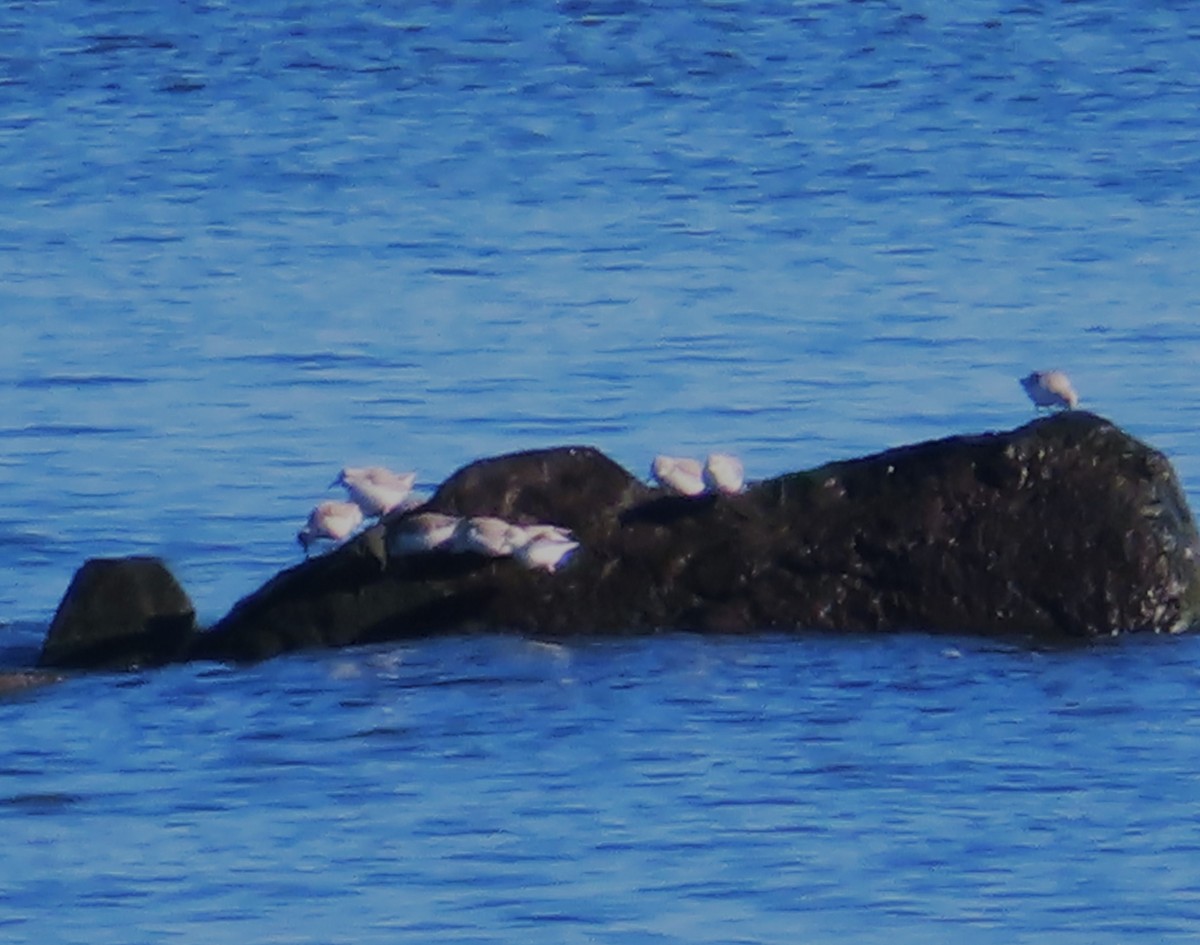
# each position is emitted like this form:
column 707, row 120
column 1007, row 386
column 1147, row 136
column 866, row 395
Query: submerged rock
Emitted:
column 1064, row 528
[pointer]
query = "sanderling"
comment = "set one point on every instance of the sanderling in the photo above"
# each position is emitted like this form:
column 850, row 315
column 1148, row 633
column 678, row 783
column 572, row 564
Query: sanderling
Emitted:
column 422, row 533
column 1050, row 389
column 546, row 552
column 330, row 521
column 375, row 489
column 484, row 535
column 724, row 473
column 525, row 533
column 683, row 476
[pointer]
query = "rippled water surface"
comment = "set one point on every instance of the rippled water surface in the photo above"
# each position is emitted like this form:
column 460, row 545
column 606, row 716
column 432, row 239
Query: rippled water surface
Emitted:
column 246, row 244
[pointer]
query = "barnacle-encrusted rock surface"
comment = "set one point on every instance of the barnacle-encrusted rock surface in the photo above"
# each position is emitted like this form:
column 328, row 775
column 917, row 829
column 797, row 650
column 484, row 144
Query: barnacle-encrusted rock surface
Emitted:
column 1064, row 528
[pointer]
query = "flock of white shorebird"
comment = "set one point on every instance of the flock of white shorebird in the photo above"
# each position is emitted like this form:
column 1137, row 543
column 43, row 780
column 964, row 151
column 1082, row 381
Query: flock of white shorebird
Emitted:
column 375, row 492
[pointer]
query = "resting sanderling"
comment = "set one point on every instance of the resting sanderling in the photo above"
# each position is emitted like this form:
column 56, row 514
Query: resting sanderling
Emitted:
column 545, row 552
column 1050, row 389
column 724, row 473
column 330, row 521
column 484, row 535
column 527, row 533
column 422, row 533
column 375, row 489
column 681, row 475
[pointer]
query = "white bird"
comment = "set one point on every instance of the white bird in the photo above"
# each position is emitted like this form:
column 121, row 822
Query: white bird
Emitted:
column 330, row 521
column 528, row 533
column 375, row 489
column 423, row 533
column 484, row 535
column 545, row 552
column 1050, row 389
column 724, row 473
column 683, row 476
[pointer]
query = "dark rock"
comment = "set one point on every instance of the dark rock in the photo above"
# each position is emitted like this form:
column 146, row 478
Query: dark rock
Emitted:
column 1064, row 528
column 120, row 613
column 577, row 487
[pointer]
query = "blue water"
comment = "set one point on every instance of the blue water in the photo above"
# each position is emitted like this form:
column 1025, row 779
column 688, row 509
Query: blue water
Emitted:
column 245, row 244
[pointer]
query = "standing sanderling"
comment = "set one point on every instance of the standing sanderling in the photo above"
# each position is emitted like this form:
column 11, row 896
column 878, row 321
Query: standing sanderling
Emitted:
column 330, row 521
column 375, row 489
column 1050, row 389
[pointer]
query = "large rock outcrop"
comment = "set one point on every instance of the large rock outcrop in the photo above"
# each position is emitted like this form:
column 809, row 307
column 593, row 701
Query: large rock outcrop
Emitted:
column 1066, row 528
